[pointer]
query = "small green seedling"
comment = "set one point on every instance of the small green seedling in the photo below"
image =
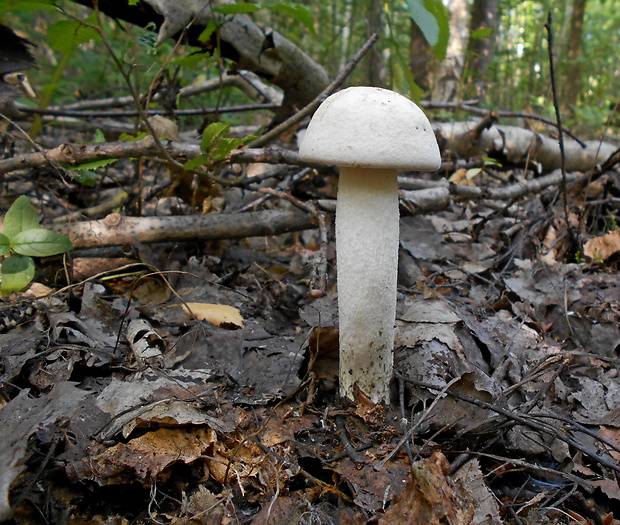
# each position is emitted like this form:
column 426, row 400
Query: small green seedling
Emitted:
column 22, row 238
column 216, row 145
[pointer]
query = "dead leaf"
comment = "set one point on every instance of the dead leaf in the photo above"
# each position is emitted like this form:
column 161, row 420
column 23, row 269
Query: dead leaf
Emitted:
column 373, row 489
column 262, row 365
column 281, row 510
column 465, row 176
column 603, row 247
column 145, row 457
column 220, row 315
column 152, row 398
column 147, row 345
column 470, row 479
column 21, row 418
column 459, row 414
column 164, row 128
column 430, row 497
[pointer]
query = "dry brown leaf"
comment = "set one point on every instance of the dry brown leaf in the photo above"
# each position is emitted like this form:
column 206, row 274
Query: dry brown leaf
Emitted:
column 464, row 176
column 220, row 315
column 164, row 128
column 144, row 457
column 430, row 497
column 471, row 479
column 373, row 489
column 603, row 247
column 281, row 510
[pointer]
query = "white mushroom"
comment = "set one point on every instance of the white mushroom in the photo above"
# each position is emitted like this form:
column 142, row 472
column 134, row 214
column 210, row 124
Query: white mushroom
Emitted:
column 370, row 133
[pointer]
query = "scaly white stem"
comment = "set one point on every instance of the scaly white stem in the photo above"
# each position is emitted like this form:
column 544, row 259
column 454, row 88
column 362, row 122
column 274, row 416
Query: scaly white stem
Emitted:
column 367, row 255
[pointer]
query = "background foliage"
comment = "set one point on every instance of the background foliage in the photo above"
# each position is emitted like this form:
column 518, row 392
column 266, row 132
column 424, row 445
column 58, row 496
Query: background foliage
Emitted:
column 331, row 31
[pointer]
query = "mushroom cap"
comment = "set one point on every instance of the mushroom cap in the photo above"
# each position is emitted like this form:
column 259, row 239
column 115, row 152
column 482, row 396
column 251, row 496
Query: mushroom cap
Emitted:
column 370, row 127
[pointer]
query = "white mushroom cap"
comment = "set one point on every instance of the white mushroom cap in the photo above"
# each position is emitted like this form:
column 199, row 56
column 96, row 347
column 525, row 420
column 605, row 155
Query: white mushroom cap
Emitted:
column 389, row 132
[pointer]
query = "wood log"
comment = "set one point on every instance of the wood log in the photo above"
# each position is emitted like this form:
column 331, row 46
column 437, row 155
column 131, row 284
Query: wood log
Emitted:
column 116, row 229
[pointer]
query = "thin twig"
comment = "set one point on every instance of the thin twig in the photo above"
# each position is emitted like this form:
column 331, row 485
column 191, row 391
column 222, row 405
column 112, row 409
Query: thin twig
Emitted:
column 311, row 107
column 539, row 468
column 525, row 420
column 115, row 113
column 357, row 460
column 415, row 426
column 558, row 115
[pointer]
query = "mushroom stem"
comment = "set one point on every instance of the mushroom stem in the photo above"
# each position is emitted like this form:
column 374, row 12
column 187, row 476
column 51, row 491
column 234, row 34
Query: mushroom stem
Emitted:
column 367, row 255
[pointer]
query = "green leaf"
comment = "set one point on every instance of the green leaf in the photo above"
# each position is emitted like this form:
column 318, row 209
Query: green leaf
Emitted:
column 205, row 36
column 433, row 19
column 488, row 161
column 65, row 35
column 10, row 6
column 20, row 217
column 215, row 145
column 40, row 243
column 87, row 177
column 224, row 147
column 298, row 12
column 148, row 40
column 194, row 60
column 17, row 273
column 242, row 8
column 5, row 245
column 212, row 133
column 92, row 165
column 200, row 160
column 99, row 136
column 481, row 33
column 126, row 137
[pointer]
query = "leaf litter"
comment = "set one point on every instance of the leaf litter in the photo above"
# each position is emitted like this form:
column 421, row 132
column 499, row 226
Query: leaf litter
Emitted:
column 202, row 386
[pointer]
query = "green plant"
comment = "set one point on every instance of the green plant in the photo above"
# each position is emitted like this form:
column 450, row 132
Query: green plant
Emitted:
column 215, row 145
column 22, row 238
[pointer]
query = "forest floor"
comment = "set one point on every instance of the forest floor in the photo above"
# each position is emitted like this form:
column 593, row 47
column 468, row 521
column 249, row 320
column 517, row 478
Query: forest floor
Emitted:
column 195, row 382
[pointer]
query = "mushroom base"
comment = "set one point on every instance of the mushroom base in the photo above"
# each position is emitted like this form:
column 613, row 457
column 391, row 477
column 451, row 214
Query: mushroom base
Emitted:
column 367, row 252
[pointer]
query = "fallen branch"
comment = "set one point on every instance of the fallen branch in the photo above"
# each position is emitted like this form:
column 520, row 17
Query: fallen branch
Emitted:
column 238, row 38
column 116, row 229
column 515, row 145
column 428, row 196
column 502, row 193
column 76, row 154
column 466, row 105
column 118, row 113
column 246, row 81
column 519, row 146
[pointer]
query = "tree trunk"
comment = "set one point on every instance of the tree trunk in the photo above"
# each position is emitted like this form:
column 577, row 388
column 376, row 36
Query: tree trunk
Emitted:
column 483, row 14
column 447, row 79
column 574, row 54
column 375, row 24
column 422, row 58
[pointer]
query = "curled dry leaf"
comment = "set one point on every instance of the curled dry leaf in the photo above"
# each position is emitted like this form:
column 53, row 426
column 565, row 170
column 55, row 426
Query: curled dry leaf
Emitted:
column 146, row 344
column 220, row 315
